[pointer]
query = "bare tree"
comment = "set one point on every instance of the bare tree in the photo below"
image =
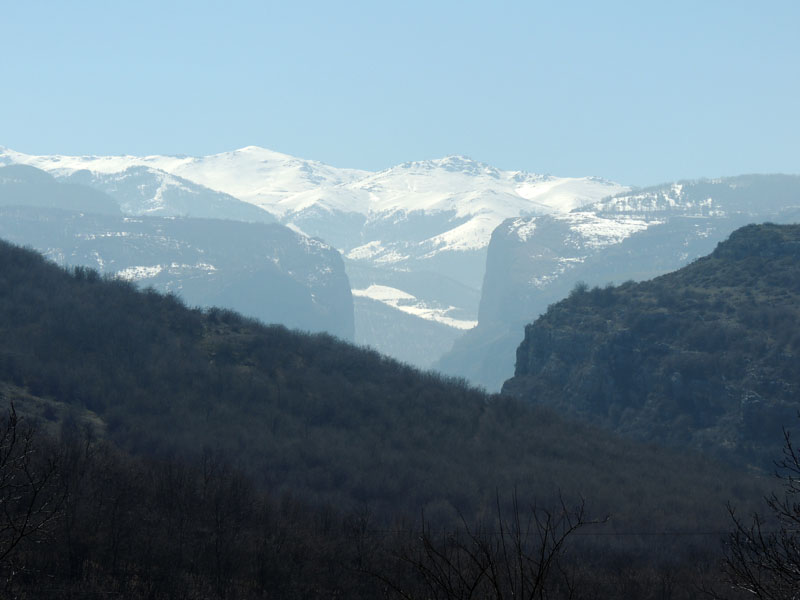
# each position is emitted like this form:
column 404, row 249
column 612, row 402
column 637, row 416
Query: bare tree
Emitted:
column 30, row 499
column 515, row 556
column 762, row 556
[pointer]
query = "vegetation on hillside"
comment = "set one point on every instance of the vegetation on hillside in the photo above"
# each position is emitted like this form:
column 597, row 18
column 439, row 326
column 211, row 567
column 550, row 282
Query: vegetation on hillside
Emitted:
column 705, row 357
column 305, row 413
column 226, row 458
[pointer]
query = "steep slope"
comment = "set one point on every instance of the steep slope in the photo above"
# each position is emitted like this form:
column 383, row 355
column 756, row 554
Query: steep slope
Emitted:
column 704, row 357
column 535, row 261
column 431, row 219
column 265, row 271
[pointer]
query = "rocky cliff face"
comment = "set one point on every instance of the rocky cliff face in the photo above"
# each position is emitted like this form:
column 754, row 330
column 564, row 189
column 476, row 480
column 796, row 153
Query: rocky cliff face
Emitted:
column 707, row 356
column 533, row 262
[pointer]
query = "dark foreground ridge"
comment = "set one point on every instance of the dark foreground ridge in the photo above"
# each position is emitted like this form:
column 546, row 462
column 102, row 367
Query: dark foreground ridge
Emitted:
column 706, row 357
column 195, row 453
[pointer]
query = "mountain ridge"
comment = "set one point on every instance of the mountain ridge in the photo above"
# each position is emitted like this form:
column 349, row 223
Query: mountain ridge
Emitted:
column 247, row 179
column 705, row 356
column 432, row 219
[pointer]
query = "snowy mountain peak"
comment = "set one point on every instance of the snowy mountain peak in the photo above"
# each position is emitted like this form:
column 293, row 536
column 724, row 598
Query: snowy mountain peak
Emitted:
column 283, row 184
column 253, row 153
column 257, row 150
column 453, row 163
column 474, row 197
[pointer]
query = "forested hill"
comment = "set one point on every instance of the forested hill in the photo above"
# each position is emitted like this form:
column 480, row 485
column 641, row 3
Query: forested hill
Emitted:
column 308, row 414
column 707, row 356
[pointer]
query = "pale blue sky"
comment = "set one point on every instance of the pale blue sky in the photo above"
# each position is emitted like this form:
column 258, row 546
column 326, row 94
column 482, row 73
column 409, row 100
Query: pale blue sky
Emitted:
column 640, row 92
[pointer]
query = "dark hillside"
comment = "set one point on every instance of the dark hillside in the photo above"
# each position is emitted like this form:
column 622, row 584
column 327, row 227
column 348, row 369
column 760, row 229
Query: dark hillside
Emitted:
column 707, row 357
column 307, row 413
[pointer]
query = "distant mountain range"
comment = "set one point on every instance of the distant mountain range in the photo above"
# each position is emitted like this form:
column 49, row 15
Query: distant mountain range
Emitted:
column 414, row 237
column 428, row 286
column 263, row 270
column 535, row 261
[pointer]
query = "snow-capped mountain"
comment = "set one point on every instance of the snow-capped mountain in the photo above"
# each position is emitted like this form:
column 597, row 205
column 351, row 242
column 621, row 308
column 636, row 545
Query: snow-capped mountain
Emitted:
column 467, row 190
column 475, row 196
column 420, row 228
column 252, row 174
column 752, row 195
column 140, row 189
column 535, row 261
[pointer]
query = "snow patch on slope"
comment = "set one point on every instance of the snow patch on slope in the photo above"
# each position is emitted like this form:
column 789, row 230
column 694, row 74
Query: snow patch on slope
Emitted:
column 376, row 252
column 138, row 273
column 563, row 265
column 472, row 235
column 598, row 232
column 524, row 228
column 407, row 303
column 367, row 251
column 664, row 199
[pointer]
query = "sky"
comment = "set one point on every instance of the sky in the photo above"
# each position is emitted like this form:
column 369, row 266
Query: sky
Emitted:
column 639, row 92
